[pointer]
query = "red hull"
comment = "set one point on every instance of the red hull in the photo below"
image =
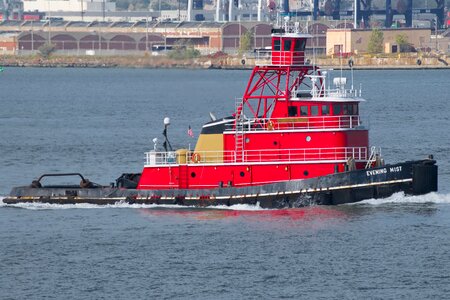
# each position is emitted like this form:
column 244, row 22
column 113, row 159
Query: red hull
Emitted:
column 201, row 176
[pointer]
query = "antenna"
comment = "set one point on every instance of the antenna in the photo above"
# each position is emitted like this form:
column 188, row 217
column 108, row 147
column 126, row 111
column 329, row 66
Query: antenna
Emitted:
column 286, row 24
column 328, row 80
column 340, row 59
column 297, row 27
column 350, row 63
column 314, row 87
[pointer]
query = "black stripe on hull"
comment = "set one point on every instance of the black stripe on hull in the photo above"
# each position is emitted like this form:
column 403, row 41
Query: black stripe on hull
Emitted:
column 415, row 177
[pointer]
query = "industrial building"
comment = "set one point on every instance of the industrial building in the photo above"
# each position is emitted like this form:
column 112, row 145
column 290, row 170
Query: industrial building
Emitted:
column 128, row 37
column 347, row 40
column 117, row 38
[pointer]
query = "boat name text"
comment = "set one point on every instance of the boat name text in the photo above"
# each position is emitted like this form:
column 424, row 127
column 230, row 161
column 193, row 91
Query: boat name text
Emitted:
column 384, row 171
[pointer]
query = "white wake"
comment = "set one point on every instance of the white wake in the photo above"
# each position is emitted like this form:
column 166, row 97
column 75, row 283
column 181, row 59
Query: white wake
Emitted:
column 397, row 198
column 402, row 198
column 42, row 206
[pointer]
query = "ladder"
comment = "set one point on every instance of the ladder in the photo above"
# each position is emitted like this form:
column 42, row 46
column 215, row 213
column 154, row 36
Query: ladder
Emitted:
column 375, row 157
column 239, row 131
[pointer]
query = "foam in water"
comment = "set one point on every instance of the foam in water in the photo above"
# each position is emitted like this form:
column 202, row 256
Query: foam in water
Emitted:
column 246, row 207
column 402, row 198
column 38, row 206
column 397, row 198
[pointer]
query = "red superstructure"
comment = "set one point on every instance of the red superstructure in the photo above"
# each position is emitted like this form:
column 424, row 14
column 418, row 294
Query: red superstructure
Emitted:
column 288, row 125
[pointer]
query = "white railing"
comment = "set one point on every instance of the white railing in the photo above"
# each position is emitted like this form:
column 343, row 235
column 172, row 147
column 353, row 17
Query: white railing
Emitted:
column 257, row 156
column 343, row 93
column 280, row 58
column 328, row 93
column 300, row 123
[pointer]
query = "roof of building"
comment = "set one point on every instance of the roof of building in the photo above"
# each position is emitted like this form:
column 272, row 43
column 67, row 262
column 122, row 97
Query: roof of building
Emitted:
column 78, row 24
column 145, row 24
column 33, row 24
column 57, row 23
column 9, row 34
column 100, row 24
column 10, row 23
column 167, row 24
column 122, row 24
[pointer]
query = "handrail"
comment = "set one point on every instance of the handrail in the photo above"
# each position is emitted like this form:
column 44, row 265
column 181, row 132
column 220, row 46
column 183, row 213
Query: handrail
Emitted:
column 84, row 183
column 301, row 122
column 330, row 93
column 252, row 156
column 280, row 58
column 60, row 175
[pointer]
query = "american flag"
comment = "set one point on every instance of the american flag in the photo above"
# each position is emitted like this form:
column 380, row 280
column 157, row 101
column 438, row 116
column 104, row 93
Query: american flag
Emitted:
column 190, row 132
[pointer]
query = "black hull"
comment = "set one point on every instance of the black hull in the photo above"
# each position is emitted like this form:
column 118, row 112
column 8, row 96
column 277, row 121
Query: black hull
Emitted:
column 412, row 177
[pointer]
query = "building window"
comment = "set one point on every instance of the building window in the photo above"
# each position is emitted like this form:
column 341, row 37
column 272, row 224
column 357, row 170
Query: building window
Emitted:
column 292, row 111
column 336, row 109
column 314, row 110
column 303, row 110
column 325, row 110
column 338, row 49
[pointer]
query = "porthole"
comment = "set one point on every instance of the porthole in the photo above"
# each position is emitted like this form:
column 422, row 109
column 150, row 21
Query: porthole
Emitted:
column 247, row 140
column 275, row 143
column 308, row 138
column 242, row 174
column 193, row 174
column 306, row 173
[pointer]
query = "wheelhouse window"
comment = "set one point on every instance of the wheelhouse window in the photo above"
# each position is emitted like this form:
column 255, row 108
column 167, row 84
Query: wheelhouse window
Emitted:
column 355, row 109
column 276, row 45
column 314, row 110
column 292, row 111
column 350, row 109
column 325, row 110
column 345, row 110
column 336, row 109
column 287, row 45
column 303, row 110
column 300, row 45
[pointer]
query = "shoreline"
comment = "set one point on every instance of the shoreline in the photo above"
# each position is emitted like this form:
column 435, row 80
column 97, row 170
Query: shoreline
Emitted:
column 223, row 63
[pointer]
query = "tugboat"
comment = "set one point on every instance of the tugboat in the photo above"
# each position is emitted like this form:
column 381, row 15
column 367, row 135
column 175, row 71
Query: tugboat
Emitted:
column 296, row 138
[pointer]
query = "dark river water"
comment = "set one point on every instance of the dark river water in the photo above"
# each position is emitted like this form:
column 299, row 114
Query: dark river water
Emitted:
column 101, row 121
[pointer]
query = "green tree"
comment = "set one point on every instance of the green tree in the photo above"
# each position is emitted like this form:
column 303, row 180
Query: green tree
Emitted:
column 183, row 49
column 46, row 49
column 376, row 41
column 402, row 41
column 246, row 42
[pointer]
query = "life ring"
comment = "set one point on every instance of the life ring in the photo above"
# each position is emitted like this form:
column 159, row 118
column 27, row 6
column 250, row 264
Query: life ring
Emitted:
column 351, row 63
column 196, row 157
column 270, row 125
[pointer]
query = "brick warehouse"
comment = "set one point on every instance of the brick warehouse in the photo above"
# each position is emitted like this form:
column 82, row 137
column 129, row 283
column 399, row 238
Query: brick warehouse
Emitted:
column 126, row 37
